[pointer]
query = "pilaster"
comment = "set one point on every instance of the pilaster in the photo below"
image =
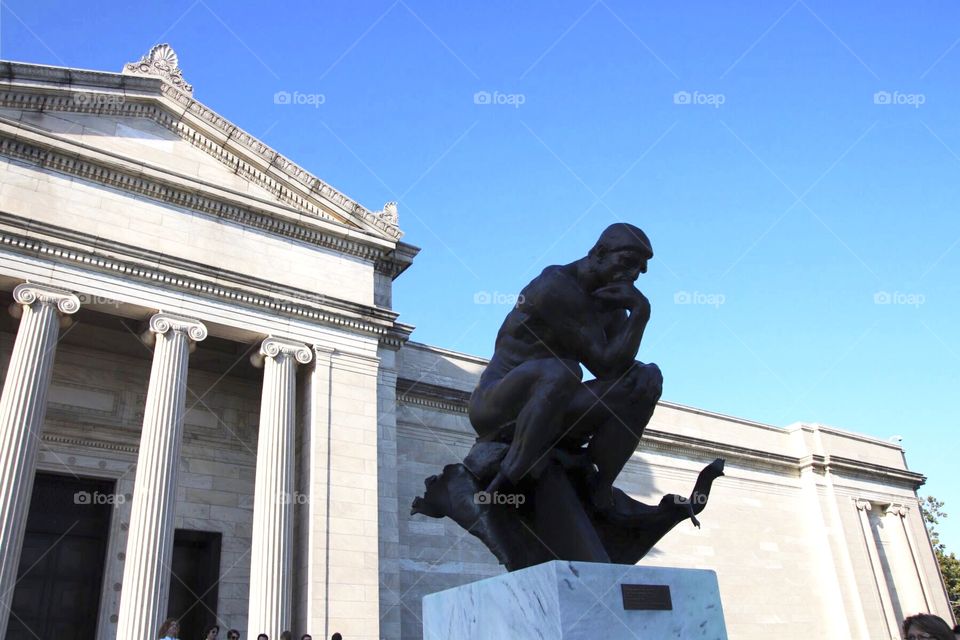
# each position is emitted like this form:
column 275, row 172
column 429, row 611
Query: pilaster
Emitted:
column 880, row 582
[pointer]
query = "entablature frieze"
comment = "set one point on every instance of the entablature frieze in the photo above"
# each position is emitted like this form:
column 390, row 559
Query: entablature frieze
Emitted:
column 143, row 266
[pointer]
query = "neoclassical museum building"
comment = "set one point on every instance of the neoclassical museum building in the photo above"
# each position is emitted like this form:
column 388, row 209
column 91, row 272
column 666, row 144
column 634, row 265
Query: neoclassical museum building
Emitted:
column 211, row 410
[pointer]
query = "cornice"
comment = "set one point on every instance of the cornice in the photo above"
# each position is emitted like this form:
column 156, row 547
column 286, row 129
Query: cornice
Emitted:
column 859, row 468
column 45, row 88
column 415, row 393
column 677, row 444
column 97, row 254
column 397, row 336
column 397, row 261
column 93, row 443
column 432, row 396
column 40, row 148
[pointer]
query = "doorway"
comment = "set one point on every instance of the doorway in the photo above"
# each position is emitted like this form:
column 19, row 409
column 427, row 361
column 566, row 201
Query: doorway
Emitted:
column 62, row 560
column 194, row 580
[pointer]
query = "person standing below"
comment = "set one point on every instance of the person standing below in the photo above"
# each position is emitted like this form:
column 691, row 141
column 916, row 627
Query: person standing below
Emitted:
column 170, row 629
column 211, row 633
column 233, row 634
column 925, row 626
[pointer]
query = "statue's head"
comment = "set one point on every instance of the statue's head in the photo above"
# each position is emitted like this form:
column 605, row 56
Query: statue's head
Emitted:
column 621, row 253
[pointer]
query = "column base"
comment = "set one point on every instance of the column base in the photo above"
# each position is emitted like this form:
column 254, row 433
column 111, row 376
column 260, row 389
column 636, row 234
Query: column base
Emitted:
column 580, row 601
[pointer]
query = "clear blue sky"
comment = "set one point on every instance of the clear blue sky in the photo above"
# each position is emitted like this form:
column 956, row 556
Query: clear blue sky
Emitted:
column 781, row 193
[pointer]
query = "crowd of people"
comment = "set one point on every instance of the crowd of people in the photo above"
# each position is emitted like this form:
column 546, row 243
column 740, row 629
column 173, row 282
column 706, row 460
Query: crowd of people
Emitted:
column 170, row 630
column 923, row 626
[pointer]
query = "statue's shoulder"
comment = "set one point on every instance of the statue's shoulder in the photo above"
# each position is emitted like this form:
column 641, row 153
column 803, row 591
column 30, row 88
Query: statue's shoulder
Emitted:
column 553, row 283
column 553, row 275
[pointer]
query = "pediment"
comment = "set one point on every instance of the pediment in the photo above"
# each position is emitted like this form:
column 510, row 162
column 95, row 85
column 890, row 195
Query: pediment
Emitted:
column 145, row 118
column 137, row 139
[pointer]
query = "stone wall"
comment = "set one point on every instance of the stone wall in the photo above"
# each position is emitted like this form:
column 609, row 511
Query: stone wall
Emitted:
column 782, row 530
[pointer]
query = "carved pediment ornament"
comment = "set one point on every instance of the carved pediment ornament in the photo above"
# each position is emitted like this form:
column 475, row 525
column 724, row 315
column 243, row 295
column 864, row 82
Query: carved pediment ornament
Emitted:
column 161, row 61
column 390, row 214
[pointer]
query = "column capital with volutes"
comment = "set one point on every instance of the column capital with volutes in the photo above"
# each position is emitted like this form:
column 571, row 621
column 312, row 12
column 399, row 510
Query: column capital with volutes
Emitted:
column 28, row 294
column 163, row 323
column 279, row 348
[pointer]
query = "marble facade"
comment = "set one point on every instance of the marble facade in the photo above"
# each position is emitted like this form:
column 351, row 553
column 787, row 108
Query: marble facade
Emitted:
column 149, row 248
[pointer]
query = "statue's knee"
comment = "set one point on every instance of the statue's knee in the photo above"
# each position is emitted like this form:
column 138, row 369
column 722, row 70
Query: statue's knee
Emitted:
column 560, row 380
column 648, row 381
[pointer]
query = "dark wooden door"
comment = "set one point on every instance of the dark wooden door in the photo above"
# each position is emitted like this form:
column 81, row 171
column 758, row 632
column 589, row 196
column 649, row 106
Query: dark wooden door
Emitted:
column 194, row 577
column 62, row 561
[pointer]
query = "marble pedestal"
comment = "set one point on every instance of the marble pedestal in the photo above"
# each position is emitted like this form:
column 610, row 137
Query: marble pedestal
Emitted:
column 578, row 601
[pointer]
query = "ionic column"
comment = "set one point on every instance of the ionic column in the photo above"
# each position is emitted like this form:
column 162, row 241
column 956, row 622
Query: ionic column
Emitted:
column 271, row 570
column 146, row 572
column 22, row 409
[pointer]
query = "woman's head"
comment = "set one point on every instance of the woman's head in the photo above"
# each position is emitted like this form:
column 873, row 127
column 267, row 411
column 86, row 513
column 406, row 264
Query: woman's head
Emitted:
column 211, row 633
column 925, row 626
column 170, row 628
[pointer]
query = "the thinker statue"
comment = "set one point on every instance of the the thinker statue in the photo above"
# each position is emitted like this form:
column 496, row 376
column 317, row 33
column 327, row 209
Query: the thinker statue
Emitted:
column 538, row 484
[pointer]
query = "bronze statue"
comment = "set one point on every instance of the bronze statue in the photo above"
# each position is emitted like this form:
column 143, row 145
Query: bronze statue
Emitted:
column 538, row 484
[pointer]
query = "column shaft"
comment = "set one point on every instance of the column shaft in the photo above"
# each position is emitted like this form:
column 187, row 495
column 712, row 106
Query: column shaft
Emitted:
column 271, row 570
column 146, row 575
column 23, row 406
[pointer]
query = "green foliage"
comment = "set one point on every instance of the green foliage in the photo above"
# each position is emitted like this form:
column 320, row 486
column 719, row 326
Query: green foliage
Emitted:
column 933, row 513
